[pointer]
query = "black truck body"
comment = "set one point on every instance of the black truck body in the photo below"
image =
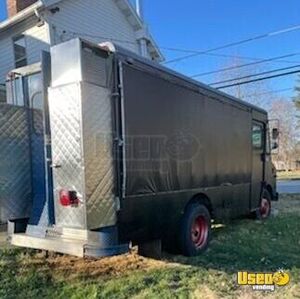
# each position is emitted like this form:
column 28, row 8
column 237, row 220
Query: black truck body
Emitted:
column 170, row 143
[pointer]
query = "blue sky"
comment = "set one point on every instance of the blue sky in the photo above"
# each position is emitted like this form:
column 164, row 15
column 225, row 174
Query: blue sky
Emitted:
column 2, row 10
column 204, row 24
column 200, row 25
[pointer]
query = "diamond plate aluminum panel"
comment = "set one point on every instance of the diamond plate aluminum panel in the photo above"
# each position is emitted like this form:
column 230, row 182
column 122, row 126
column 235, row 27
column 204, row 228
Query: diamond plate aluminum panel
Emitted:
column 65, row 121
column 15, row 167
column 97, row 137
column 81, row 127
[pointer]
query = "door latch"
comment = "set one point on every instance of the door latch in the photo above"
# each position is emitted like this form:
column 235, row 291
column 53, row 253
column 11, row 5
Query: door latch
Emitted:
column 55, row 166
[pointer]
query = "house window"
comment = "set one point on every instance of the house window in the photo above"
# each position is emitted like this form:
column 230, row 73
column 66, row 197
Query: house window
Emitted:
column 20, row 51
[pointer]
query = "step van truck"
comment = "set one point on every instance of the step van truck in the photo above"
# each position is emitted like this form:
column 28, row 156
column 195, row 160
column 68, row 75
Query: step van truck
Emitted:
column 106, row 149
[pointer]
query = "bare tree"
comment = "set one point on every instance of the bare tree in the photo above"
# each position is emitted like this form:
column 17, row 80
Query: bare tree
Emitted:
column 256, row 93
column 297, row 102
column 280, row 108
column 284, row 110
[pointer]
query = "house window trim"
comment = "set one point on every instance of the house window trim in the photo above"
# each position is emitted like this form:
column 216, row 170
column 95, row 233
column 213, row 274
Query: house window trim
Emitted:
column 16, row 61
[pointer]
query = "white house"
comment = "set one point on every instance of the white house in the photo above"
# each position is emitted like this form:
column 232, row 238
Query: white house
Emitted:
column 34, row 25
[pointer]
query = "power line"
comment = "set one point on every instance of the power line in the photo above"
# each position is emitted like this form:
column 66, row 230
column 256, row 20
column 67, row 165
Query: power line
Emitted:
column 220, row 54
column 255, row 75
column 212, row 54
column 246, row 57
column 237, row 43
column 259, row 79
column 106, row 38
column 245, row 65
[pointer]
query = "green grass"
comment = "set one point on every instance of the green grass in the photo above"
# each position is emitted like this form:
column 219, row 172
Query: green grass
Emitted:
column 240, row 245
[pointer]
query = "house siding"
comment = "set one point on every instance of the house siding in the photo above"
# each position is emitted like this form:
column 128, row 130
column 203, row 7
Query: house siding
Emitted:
column 94, row 20
column 99, row 20
column 36, row 40
column 6, row 58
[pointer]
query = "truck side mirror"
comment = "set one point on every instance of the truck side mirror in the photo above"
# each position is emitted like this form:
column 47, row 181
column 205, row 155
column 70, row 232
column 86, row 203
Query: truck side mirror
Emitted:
column 275, row 134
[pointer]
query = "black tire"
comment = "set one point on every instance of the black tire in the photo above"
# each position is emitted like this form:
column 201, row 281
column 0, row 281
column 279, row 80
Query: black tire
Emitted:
column 195, row 230
column 264, row 210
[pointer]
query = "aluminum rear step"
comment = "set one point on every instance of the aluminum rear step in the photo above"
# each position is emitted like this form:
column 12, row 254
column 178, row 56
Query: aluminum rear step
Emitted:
column 79, row 243
column 67, row 246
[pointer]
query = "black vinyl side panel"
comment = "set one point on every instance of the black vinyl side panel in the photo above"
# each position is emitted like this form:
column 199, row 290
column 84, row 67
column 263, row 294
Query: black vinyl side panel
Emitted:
column 179, row 141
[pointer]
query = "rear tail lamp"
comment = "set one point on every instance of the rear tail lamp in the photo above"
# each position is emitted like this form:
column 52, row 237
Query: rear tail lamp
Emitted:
column 68, row 198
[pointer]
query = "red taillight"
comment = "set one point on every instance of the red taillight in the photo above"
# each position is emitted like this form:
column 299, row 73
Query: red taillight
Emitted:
column 68, row 198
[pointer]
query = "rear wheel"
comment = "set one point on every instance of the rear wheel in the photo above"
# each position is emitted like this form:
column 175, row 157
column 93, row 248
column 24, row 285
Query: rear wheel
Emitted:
column 195, row 230
column 264, row 210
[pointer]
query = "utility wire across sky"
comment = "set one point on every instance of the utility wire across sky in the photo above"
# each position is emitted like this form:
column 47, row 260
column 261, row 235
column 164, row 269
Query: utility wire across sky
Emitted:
column 259, row 79
column 234, row 56
column 245, row 65
column 208, row 52
column 255, row 75
column 251, row 58
column 182, row 50
column 237, row 43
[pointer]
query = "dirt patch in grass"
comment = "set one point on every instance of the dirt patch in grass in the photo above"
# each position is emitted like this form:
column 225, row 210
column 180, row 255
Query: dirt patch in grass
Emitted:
column 120, row 265
column 111, row 266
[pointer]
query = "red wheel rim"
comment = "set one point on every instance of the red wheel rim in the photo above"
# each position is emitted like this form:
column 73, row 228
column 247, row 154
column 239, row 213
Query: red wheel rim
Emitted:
column 199, row 232
column 265, row 208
